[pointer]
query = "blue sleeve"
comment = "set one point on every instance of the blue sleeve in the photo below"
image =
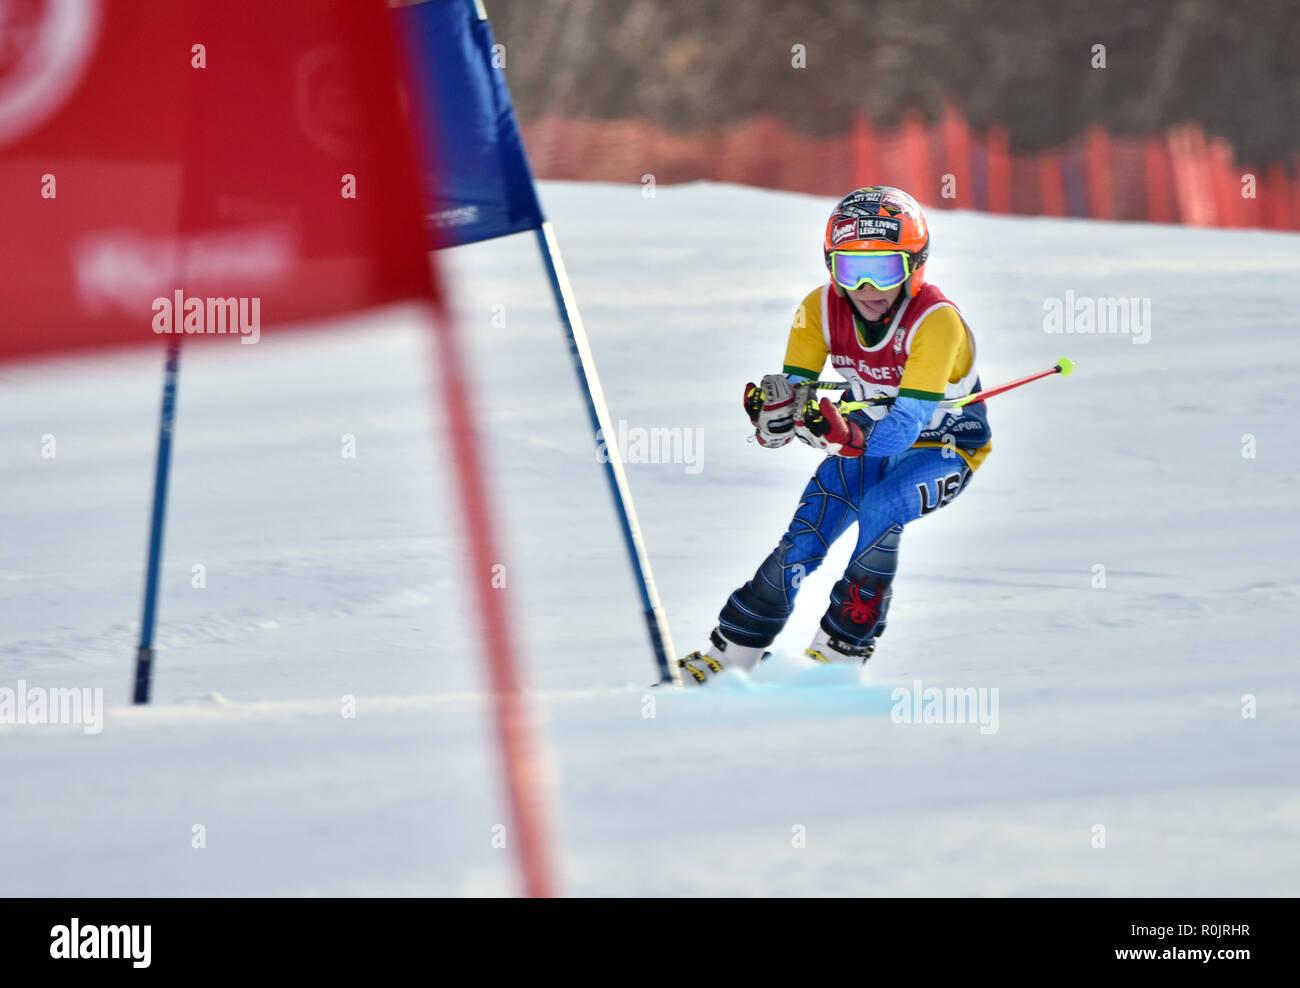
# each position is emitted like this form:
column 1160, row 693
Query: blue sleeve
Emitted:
column 899, row 429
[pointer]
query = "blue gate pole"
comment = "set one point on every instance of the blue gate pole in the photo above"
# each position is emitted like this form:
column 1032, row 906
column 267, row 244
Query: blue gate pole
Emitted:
column 583, row 362
column 144, row 655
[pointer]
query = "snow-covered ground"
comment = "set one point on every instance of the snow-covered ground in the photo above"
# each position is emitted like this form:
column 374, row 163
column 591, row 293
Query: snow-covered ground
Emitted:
column 1119, row 705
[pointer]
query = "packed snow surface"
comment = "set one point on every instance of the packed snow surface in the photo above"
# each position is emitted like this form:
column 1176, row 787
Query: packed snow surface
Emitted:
column 1122, row 571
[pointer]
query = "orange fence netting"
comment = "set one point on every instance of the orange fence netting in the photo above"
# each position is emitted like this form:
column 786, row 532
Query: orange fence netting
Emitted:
column 1179, row 176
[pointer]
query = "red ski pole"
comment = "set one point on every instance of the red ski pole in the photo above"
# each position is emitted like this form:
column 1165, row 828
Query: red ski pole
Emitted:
column 1064, row 367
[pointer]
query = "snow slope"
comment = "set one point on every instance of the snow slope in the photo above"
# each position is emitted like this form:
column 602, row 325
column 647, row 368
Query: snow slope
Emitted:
column 1120, row 705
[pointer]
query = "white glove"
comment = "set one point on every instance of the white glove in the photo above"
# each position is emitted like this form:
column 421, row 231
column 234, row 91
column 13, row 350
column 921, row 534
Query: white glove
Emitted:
column 771, row 407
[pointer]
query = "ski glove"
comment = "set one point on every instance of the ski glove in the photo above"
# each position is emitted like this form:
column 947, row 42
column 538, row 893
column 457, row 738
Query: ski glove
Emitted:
column 823, row 426
column 771, row 407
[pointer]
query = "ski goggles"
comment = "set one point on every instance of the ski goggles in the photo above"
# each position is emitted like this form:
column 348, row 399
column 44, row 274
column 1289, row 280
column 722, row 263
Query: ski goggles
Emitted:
column 882, row 269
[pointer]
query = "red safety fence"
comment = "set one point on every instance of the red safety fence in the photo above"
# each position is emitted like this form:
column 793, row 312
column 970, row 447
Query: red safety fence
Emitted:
column 1178, row 176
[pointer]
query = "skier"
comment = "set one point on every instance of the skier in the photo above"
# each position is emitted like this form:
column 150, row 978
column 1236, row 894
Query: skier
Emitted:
column 891, row 334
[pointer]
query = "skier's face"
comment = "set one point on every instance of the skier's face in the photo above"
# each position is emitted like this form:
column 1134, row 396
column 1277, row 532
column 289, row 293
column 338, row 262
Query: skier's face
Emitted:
column 872, row 302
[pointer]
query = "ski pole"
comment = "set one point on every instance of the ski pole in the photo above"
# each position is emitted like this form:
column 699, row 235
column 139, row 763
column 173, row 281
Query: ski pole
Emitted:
column 1064, row 367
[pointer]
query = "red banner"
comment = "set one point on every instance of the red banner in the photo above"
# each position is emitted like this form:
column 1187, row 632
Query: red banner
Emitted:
column 204, row 169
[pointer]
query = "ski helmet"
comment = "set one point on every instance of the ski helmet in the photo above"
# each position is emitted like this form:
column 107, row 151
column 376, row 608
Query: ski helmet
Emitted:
column 877, row 234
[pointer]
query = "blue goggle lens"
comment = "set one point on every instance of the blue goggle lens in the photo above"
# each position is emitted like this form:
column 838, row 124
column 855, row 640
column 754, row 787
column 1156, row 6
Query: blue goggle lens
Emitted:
column 883, row 271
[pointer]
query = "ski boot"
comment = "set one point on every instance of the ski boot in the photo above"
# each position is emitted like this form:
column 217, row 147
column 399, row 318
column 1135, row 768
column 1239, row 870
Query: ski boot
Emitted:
column 827, row 649
column 699, row 668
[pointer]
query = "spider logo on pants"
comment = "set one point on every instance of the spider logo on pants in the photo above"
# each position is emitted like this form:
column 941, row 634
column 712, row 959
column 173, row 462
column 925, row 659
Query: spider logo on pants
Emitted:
column 861, row 611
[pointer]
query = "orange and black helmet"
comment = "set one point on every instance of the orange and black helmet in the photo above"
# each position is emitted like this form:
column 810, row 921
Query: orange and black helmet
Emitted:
column 877, row 235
